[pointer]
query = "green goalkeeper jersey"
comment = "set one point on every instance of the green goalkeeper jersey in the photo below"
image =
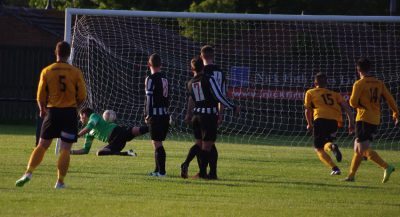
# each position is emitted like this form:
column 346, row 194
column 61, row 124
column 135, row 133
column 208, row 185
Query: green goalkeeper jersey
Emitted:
column 99, row 129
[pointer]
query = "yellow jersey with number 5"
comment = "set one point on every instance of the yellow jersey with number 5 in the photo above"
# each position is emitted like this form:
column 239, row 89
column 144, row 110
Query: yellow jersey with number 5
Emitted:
column 366, row 98
column 325, row 104
column 61, row 85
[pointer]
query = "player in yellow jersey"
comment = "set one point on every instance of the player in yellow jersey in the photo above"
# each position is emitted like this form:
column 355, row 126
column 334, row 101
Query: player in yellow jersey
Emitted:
column 323, row 111
column 61, row 90
column 366, row 98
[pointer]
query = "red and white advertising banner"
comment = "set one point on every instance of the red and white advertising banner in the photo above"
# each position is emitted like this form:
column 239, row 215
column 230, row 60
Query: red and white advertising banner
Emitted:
column 253, row 93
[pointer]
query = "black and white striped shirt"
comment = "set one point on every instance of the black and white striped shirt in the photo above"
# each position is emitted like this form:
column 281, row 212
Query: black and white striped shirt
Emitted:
column 157, row 96
column 218, row 75
column 206, row 94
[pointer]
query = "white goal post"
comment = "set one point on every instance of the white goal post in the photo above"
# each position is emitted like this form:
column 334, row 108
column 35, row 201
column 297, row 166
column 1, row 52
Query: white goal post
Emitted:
column 270, row 61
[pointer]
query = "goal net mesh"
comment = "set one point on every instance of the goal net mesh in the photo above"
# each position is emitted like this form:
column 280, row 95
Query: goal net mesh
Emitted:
column 269, row 66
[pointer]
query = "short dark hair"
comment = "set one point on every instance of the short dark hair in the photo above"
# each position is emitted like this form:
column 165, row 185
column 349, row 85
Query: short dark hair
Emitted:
column 87, row 111
column 155, row 60
column 197, row 64
column 321, row 79
column 363, row 64
column 63, row 49
column 207, row 51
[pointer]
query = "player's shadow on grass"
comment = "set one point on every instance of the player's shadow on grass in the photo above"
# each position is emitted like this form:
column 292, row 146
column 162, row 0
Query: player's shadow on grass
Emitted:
column 250, row 182
column 190, row 181
column 340, row 184
column 222, row 181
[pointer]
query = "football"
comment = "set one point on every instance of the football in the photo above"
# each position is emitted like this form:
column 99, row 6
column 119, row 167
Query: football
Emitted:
column 109, row 115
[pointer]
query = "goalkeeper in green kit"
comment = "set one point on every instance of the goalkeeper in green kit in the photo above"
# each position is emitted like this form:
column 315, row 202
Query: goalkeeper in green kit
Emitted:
column 116, row 136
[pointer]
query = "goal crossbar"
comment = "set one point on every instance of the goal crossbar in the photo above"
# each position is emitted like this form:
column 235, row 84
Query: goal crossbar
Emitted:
column 69, row 12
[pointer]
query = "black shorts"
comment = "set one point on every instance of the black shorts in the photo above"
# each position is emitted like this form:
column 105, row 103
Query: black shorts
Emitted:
column 324, row 131
column 365, row 131
column 60, row 123
column 118, row 138
column 158, row 127
column 205, row 127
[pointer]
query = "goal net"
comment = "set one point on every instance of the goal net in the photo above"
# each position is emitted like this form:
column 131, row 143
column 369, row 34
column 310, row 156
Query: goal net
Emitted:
column 270, row 61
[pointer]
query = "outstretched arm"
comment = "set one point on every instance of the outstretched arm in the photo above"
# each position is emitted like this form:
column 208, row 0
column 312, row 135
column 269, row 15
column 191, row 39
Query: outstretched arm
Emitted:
column 92, row 123
column 86, row 146
column 83, row 131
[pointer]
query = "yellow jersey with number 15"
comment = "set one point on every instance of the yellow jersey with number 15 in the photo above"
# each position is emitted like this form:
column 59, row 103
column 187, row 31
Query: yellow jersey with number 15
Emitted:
column 61, row 85
column 325, row 104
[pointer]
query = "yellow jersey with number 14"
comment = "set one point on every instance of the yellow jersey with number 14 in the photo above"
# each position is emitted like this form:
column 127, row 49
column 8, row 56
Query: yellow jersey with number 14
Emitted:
column 366, row 98
column 325, row 104
column 61, row 85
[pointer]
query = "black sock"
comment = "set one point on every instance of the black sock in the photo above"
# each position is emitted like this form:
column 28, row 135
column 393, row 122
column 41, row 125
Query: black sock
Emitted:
column 204, row 159
column 213, row 161
column 157, row 169
column 198, row 158
column 193, row 151
column 160, row 159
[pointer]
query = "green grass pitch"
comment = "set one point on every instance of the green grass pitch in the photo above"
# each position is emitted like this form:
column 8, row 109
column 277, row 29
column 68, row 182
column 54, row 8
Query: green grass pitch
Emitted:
column 255, row 180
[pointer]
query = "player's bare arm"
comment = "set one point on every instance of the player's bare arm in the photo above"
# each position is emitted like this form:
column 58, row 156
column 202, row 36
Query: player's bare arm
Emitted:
column 309, row 113
column 42, row 109
column 83, row 132
column 220, row 113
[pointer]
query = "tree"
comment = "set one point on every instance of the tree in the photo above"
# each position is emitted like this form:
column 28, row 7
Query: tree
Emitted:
column 220, row 6
column 162, row 5
column 62, row 4
column 17, row 3
column 202, row 29
column 156, row 5
column 333, row 7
